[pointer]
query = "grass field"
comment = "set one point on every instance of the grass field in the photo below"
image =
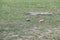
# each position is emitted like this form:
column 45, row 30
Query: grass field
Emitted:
column 13, row 24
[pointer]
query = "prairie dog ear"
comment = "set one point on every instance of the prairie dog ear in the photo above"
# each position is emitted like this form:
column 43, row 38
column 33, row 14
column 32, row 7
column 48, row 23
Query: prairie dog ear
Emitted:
column 41, row 20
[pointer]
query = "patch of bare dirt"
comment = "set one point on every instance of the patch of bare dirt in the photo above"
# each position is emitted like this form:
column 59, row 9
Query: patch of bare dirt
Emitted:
column 40, row 13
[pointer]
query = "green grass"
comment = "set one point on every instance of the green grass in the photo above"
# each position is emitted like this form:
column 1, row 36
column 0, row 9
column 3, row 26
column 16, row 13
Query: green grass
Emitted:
column 13, row 24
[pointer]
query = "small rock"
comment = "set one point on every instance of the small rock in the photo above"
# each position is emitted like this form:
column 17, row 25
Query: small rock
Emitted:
column 27, row 19
column 41, row 20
